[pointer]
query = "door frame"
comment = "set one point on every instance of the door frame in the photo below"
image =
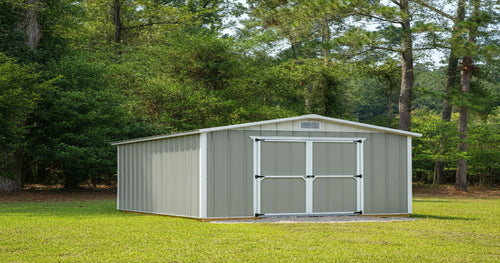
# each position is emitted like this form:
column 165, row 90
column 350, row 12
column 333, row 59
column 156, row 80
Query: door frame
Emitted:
column 309, row 176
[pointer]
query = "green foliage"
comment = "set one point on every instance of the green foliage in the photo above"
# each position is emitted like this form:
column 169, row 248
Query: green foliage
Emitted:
column 429, row 89
column 373, row 90
column 466, row 230
column 318, row 86
column 74, row 124
column 439, row 142
column 20, row 88
column 198, row 81
column 483, row 147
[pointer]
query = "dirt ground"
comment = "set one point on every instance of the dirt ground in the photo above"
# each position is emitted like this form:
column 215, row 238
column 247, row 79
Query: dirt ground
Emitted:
column 449, row 191
column 56, row 193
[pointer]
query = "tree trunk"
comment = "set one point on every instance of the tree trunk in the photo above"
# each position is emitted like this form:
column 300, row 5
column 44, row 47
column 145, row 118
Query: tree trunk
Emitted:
column 309, row 98
column 117, row 20
column 9, row 185
column 467, row 68
column 29, row 24
column 461, row 176
column 325, row 40
column 439, row 177
column 451, row 70
column 392, row 85
column 451, row 81
column 406, row 68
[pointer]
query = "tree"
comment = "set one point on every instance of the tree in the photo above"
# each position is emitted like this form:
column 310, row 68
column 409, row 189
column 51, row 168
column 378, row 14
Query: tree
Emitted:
column 20, row 89
column 397, row 13
column 451, row 70
column 74, row 124
column 467, row 67
column 308, row 27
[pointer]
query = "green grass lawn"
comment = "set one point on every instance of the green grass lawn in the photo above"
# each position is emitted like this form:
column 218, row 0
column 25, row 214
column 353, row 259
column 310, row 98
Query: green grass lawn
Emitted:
column 461, row 230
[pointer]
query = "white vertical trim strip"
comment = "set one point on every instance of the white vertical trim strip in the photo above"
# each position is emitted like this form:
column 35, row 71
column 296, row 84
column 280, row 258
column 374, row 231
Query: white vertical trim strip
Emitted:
column 409, row 167
column 362, row 179
column 118, row 177
column 259, row 181
column 309, row 181
column 309, row 158
column 358, row 184
column 203, row 175
column 254, row 180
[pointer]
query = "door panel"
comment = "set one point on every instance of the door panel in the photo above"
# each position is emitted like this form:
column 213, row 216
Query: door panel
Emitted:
column 330, row 158
column 283, row 195
column 283, row 158
column 334, row 195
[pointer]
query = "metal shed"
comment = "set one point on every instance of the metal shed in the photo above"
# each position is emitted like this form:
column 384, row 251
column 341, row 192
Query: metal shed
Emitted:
column 305, row 165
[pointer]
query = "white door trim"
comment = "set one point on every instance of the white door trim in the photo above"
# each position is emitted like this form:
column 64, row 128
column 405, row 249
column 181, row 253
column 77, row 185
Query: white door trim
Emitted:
column 309, row 176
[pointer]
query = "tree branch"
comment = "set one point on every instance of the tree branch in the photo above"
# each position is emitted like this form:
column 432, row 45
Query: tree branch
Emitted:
column 396, row 3
column 386, row 48
column 149, row 24
column 376, row 17
column 422, row 3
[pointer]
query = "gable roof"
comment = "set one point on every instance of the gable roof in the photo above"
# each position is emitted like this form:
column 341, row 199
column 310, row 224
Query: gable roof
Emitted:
column 274, row 121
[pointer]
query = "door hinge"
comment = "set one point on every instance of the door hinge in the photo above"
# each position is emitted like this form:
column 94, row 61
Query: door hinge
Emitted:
column 258, row 176
column 358, row 212
column 259, row 140
column 257, row 214
column 310, row 176
column 360, row 141
column 359, row 176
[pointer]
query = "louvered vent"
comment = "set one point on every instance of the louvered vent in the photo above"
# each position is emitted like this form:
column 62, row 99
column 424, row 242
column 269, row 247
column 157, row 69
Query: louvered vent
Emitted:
column 309, row 125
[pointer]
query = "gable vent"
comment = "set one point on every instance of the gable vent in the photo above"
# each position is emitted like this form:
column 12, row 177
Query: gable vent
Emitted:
column 309, row 125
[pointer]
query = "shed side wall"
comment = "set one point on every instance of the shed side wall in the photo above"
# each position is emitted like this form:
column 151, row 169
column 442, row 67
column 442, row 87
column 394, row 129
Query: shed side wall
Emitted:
column 230, row 175
column 160, row 176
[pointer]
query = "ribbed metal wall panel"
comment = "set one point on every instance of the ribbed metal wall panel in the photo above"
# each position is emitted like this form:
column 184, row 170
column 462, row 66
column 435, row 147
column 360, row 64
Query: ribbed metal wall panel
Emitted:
column 160, row 176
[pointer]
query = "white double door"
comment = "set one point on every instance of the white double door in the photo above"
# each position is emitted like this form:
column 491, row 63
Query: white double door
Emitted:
column 307, row 176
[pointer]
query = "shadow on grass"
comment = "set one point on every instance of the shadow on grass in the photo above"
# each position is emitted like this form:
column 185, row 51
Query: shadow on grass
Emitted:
column 441, row 217
column 434, row 201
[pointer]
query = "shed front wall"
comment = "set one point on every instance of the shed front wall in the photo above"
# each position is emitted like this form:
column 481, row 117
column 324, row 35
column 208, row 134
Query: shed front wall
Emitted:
column 160, row 176
column 230, row 175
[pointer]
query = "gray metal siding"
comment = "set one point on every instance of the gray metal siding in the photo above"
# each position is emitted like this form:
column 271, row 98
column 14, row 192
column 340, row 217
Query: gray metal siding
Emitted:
column 230, row 178
column 160, row 176
column 229, row 169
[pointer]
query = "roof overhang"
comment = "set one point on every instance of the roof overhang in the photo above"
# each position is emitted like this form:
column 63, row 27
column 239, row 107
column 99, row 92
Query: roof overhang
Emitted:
column 303, row 117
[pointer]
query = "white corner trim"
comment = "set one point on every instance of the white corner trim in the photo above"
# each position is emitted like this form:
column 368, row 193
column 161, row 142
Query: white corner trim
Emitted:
column 118, row 177
column 409, row 171
column 203, row 176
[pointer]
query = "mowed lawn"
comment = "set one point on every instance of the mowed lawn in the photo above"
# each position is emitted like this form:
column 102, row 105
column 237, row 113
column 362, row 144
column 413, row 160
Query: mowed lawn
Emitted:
column 450, row 230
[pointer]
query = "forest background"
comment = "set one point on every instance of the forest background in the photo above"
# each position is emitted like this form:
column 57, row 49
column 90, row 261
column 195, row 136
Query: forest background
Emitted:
column 76, row 75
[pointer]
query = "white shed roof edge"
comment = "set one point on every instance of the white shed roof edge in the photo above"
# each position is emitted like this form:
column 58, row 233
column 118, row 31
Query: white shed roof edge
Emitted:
column 303, row 117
